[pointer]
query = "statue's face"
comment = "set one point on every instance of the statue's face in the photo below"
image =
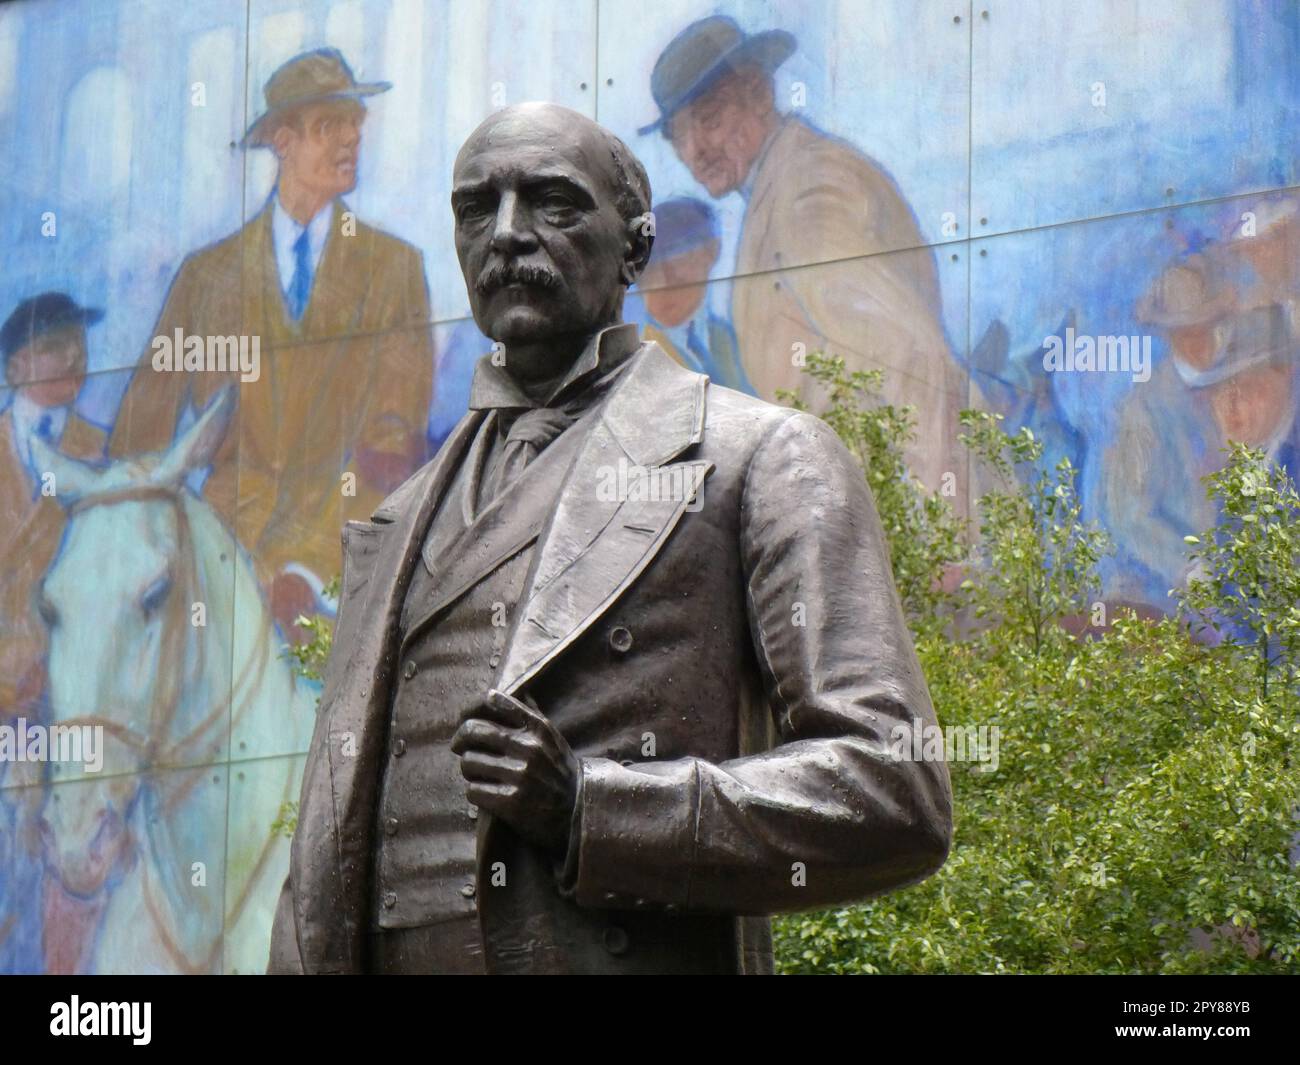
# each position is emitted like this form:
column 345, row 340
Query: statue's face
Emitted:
column 541, row 242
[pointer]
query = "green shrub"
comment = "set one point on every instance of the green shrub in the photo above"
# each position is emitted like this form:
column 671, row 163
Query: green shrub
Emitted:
column 1144, row 799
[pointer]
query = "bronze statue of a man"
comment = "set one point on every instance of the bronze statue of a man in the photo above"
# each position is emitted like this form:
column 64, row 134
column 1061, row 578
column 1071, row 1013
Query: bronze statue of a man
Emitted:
column 620, row 671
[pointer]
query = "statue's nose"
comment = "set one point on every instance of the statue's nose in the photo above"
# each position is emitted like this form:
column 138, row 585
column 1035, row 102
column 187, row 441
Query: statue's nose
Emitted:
column 512, row 233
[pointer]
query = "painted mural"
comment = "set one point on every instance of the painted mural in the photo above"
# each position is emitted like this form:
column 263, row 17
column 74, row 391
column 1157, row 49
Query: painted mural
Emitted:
column 232, row 319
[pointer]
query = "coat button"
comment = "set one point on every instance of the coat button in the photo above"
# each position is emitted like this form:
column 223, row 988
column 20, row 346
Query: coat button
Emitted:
column 409, row 671
column 615, row 940
column 473, row 813
column 620, row 638
column 468, row 891
column 495, row 660
column 399, row 747
column 390, row 900
column 390, row 826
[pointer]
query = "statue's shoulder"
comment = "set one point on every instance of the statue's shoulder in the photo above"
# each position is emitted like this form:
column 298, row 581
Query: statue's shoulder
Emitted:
column 406, row 495
column 738, row 423
column 415, row 488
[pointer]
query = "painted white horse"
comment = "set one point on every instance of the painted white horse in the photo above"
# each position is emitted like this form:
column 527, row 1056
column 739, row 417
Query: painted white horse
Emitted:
column 159, row 633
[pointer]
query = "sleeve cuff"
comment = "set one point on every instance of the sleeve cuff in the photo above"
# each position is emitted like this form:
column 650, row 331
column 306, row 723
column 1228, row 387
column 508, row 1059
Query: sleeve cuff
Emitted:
column 567, row 871
column 632, row 840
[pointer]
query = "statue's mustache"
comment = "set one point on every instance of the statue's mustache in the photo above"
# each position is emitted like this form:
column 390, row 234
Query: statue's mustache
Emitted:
column 500, row 274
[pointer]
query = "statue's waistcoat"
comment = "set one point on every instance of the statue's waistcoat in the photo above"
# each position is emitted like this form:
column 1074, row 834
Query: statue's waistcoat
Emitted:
column 455, row 624
column 425, row 862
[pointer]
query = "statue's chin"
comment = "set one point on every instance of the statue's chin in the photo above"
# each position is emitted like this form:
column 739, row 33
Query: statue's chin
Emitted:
column 524, row 325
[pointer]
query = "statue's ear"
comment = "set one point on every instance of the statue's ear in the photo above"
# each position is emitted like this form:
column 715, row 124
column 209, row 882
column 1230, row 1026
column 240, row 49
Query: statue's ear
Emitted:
column 640, row 239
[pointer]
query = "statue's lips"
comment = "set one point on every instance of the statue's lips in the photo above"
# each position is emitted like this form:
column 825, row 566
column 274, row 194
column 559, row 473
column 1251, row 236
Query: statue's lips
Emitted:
column 519, row 288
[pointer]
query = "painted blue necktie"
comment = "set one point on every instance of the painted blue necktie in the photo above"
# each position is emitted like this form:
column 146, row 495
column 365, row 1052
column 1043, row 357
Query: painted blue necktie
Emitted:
column 703, row 356
column 300, row 285
column 45, row 430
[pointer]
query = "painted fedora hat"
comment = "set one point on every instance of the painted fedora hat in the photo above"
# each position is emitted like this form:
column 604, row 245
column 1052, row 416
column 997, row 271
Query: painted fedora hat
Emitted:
column 312, row 77
column 705, row 50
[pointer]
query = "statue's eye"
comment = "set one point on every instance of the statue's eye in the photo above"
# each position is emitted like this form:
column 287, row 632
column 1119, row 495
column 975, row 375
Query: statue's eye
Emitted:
column 558, row 203
column 471, row 210
column 155, row 595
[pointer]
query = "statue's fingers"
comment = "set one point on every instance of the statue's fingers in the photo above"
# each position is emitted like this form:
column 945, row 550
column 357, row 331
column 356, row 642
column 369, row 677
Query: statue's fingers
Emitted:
column 493, row 797
column 518, row 713
column 475, row 733
column 480, row 766
column 490, row 710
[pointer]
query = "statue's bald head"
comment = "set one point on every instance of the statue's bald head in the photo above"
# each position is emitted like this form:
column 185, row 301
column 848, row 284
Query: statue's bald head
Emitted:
column 626, row 177
column 552, row 223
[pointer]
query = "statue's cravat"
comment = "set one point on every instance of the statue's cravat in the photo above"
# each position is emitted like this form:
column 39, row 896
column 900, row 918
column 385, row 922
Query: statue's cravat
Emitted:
column 529, row 434
column 519, row 429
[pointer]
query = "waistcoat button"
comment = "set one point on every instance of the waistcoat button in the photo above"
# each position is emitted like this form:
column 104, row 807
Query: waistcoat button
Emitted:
column 390, row 826
column 390, row 900
column 409, row 671
column 616, row 941
column 399, row 747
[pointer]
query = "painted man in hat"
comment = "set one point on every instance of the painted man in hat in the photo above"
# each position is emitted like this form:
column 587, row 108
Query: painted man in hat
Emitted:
column 623, row 668
column 43, row 356
column 810, row 198
column 1162, row 445
column 1266, row 241
column 43, row 351
column 1251, row 388
column 674, row 291
column 336, row 417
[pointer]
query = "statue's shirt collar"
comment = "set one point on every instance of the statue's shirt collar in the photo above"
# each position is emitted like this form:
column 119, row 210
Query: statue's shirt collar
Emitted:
column 608, row 350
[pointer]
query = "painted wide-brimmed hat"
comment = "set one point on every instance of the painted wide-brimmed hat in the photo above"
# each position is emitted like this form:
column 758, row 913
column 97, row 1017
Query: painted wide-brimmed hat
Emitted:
column 1273, row 217
column 1253, row 338
column 312, row 77
column 698, row 56
column 682, row 224
column 1187, row 293
column 40, row 315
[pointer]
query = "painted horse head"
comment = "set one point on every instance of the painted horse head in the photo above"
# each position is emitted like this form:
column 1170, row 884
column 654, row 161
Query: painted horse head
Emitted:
column 140, row 556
